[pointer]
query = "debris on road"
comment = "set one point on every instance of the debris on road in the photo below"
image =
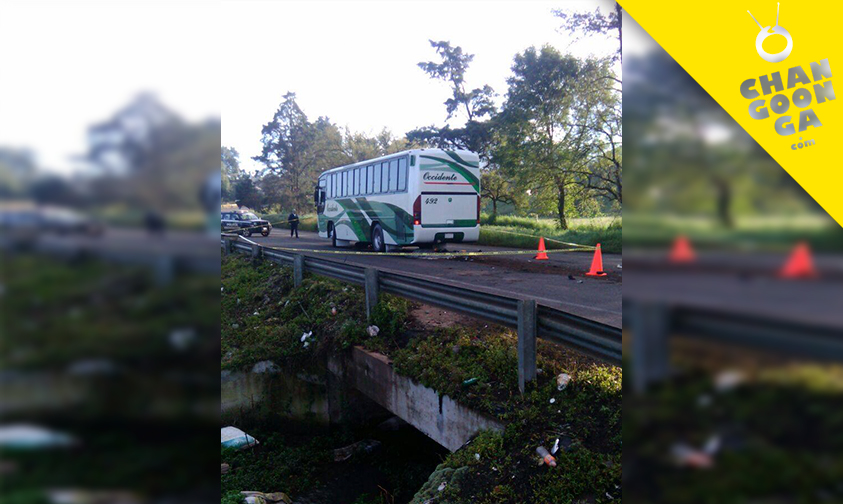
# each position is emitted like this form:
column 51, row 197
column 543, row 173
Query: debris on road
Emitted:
column 373, row 330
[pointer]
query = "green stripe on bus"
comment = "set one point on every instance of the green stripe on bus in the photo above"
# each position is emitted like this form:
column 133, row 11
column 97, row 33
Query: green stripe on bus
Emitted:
column 458, row 159
column 475, row 183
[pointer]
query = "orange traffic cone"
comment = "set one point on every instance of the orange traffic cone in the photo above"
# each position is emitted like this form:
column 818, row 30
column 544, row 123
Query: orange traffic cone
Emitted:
column 682, row 251
column 542, row 255
column 799, row 264
column 596, row 264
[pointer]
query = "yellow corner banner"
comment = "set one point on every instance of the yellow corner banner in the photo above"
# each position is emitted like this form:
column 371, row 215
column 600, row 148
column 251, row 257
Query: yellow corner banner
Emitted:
column 769, row 65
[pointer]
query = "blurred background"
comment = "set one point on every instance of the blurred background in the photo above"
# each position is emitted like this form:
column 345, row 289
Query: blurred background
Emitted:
column 733, row 333
column 109, row 190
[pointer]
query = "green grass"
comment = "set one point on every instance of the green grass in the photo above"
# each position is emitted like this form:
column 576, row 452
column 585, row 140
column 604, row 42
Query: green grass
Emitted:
column 66, row 310
column 775, row 233
column 499, row 232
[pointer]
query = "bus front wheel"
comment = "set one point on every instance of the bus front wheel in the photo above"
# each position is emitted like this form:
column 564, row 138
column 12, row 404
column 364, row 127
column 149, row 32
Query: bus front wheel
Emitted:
column 377, row 239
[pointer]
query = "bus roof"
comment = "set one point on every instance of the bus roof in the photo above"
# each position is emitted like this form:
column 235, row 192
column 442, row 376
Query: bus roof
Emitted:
column 459, row 152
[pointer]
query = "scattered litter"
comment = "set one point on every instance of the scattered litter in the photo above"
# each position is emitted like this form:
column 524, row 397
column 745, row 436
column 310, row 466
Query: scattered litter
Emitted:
column 306, row 335
column 552, row 400
column 555, row 447
column 286, row 303
column 32, row 437
column 235, row 326
column 224, row 468
column 364, row 446
column 620, row 266
column 180, row 339
column 306, row 344
column 238, row 300
column 373, row 330
column 232, row 437
column 470, row 381
column 685, row 455
column 571, row 277
column 442, row 486
column 256, row 313
column 562, row 381
column 476, row 456
column 334, row 310
column 728, row 380
column 263, row 498
column 547, row 458
column 222, row 289
column 266, row 366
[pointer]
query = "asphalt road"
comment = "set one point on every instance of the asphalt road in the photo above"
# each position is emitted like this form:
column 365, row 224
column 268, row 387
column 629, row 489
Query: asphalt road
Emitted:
column 548, row 281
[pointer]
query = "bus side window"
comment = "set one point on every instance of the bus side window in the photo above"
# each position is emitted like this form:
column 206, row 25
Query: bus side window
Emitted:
column 377, row 187
column 384, row 177
column 342, row 183
column 333, row 184
column 361, row 180
column 402, row 174
column 370, row 179
column 349, row 182
column 393, row 175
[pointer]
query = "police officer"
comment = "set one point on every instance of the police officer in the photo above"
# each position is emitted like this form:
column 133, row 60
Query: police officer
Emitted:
column 293, row 220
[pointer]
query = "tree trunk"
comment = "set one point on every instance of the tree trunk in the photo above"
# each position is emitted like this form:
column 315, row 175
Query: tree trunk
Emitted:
column 494, row 209
column 560, row 207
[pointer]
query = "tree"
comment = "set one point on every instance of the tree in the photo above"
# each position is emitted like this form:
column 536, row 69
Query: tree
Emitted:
column 247, row 194
column 477, row 104
column 544, row 121
column 498, row 187
column 229, row 170
column 588, row 23
column 292, row 150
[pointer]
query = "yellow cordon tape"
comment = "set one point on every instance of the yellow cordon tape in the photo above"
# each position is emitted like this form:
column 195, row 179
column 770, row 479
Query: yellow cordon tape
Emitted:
column 577, row 248
column 584, row 247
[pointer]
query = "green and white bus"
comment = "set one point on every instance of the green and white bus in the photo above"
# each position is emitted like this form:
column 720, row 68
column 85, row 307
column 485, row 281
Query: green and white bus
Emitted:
column 411, row 198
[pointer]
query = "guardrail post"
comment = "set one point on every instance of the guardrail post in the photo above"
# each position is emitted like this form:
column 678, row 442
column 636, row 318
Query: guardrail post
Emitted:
column 298, row 269
column 371, row 285
column 527, row 311
column 650, row 351
column 257, row 251
column 228, row 243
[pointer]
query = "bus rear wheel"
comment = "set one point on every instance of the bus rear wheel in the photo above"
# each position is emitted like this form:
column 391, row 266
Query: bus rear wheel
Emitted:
column 377, row 239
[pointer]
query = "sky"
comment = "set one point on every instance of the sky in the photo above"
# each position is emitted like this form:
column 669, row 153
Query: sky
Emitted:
column 67, row 64
column 356, row 62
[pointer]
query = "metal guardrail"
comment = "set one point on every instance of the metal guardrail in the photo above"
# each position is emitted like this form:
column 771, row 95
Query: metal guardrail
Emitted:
column 592, row 338
column 653, row 323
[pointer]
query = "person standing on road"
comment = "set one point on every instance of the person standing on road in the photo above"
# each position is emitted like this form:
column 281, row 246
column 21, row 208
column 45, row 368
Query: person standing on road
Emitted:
column 293, row 220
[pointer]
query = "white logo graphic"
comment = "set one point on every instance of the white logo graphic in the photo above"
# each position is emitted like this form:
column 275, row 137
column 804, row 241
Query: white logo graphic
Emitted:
column 766, row 32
